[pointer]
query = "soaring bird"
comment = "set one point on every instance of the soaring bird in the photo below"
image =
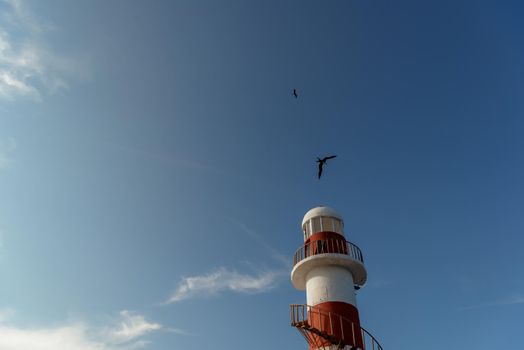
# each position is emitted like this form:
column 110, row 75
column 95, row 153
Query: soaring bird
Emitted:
column 295, row 93
column 321, row 163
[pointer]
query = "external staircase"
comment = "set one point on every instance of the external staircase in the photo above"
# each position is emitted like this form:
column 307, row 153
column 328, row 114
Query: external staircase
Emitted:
column 329, row 331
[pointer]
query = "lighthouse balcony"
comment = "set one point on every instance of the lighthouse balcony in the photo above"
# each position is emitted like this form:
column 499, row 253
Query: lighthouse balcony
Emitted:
column 328, row 246
column 330, row 331
column 328, row 252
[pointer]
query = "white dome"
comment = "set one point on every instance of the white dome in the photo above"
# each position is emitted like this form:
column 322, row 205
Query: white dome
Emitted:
column 321, row 211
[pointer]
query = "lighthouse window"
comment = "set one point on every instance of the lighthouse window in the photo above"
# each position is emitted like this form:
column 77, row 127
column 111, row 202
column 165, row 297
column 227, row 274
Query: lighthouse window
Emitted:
column 338, row 226
column 327, row 224
column 307, row 229
column 316, row 225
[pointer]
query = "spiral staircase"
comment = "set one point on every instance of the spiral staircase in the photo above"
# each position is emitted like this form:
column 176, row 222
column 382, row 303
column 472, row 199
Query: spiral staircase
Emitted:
column 326, row 330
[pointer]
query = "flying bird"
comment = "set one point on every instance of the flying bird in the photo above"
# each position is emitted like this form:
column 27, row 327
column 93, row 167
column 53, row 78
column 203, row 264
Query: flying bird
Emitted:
column 295, row 93
column 321, row 163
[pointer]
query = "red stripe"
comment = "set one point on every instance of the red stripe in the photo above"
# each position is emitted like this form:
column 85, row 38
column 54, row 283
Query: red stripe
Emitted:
column 324, row 235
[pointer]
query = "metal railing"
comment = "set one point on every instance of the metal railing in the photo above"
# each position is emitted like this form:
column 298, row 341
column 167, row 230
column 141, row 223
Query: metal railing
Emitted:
column 329, row 245
column 328, row 330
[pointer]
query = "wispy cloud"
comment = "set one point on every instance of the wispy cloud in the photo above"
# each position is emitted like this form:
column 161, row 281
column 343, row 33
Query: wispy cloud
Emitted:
column 126, row 334
column 130, row 327
column 179, row 331
column 20, row 16
column 512, row 300
column 223, row 280
column 6, row 147
column 28, row 68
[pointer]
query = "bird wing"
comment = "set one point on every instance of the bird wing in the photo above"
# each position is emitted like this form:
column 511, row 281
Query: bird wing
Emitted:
column 330, row 157
column 320, row 169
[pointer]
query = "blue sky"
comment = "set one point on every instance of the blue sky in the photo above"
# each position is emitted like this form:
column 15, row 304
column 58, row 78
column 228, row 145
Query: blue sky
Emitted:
column 155, row 168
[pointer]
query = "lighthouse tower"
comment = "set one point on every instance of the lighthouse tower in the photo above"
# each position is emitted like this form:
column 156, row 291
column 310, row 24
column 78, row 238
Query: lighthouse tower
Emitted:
column 330, row 269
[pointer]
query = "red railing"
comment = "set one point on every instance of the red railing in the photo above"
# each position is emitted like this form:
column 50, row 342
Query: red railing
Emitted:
column 328, row 330
column 325, row 246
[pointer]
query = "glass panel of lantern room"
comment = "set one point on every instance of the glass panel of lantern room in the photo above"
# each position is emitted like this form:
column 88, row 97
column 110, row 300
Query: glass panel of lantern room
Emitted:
column 315, row 223
column 327, row 224
column 338, row 226
column 307, row 230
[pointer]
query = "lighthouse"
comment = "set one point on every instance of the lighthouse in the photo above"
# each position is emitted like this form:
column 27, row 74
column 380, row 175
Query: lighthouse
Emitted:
column 330, row 269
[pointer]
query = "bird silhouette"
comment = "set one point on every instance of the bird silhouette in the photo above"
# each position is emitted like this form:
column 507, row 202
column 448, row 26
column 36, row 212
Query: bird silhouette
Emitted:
column 321, row 163
column 295, row 93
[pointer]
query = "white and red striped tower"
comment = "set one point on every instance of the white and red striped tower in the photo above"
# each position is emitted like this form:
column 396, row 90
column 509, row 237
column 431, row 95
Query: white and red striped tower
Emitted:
column 329, row 268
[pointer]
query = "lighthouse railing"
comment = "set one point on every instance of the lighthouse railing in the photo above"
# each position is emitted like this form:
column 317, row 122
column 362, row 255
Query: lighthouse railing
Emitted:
column 328, row 246
column 324, row 329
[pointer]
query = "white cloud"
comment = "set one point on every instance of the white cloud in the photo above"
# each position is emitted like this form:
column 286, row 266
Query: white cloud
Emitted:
column 222, row 280
column 513, row 300
column 27, row 67
column 66, row 337
column 131, row 326
column 126, row 334
column 6, row 147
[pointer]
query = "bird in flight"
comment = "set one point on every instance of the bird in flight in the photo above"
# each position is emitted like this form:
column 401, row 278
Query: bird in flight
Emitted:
column 295, row 93
column 321, row 163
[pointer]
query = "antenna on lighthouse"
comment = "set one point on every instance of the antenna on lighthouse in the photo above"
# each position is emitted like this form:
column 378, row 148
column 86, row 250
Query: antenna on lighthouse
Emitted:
column 329, row 268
